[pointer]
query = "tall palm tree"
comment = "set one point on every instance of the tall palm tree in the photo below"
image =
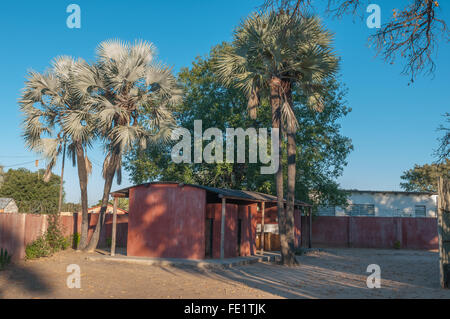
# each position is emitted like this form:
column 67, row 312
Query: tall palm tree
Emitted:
column 271, row 55
column 54, row 116
column 132, row 96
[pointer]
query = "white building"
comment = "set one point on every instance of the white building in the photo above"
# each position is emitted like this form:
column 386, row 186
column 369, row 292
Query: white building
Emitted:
column 8, row 205
column 385, row 204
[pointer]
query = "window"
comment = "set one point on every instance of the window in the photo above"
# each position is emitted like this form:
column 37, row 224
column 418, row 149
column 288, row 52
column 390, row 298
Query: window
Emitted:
column 360, row 210
column 327, row 210
column 420, row 211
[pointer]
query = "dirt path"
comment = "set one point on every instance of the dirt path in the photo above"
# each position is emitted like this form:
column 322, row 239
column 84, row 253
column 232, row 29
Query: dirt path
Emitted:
column 332, row 273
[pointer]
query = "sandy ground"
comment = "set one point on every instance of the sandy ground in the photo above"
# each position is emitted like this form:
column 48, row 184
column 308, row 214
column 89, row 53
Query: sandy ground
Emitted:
column 331, row 273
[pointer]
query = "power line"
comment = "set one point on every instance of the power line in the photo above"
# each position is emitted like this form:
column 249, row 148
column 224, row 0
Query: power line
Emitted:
column 19, row 164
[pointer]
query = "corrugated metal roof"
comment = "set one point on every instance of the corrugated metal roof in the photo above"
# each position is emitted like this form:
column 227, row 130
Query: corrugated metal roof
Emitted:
column 225, row 192
column 388, row 192
column 4, row 202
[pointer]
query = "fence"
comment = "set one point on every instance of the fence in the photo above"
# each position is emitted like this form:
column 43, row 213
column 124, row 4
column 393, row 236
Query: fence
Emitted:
column 371, row 232
column 18, row 230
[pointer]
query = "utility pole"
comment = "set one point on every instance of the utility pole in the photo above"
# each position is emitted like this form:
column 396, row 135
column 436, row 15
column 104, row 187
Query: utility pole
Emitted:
column 444, row 231
column 62, row 179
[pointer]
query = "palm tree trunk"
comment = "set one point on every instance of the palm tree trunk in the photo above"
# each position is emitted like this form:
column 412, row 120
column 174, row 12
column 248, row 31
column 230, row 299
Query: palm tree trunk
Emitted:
column 290, row 202
column 83, row 178
column 275, row 102
column 290, row 205
column 109, row 177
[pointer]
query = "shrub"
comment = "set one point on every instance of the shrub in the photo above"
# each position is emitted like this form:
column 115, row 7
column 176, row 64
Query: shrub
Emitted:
column 52, row 241
column 38, row 248
column 75, row 240
column 5, row 259
column 397, row 245
column 108, row 242
column 54, row 235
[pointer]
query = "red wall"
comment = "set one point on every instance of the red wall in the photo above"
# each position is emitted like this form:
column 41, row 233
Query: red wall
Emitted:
column 19, row 230
column 166, row 220
column 247, row 214
column 372, row 232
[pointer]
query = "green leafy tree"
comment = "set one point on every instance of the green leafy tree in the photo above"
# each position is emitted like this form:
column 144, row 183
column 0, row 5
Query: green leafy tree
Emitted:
column 31, row 193
column 424, row 178
column 122, row 203
column 443, row 151
column 132, row 96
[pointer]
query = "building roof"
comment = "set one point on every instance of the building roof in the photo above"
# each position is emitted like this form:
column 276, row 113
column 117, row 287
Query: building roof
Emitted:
column 222, row 192
column 389, row 192
column 110, row 206
column 5, row 201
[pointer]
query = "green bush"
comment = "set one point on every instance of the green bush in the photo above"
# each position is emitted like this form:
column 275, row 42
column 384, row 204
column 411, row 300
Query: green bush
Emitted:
column 52, row 241
column 108, row 242
column 38, row 248
column 5, row 259
column 75, row 240
column 397, row 245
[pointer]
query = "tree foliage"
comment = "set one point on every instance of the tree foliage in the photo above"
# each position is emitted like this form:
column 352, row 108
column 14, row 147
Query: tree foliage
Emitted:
column 132, row 96
column 424, row 178
column 443, row 150
column 30, row 191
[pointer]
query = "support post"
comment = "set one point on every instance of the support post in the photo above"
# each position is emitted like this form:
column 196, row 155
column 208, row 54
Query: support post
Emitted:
column 310, row 228
column 443, row 213
column 222, row 229
column 114, row 228
column 261, row 241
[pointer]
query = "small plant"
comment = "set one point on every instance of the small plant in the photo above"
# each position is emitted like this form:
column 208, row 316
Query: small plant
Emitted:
column 75, row 240
column 397, row 245
column 52, row 241
column 109, row 241
column 5, row 258
column 38, row 248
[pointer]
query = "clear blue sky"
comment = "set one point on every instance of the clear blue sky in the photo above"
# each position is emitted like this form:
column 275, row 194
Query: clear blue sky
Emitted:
column 392, row 125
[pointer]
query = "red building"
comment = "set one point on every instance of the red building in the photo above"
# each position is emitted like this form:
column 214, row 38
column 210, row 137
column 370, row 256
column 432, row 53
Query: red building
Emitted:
column 175, row 220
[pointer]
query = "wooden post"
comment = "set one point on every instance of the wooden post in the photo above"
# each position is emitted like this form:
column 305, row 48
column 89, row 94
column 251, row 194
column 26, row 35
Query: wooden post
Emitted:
column 443, row 213
column 261, row 241
column 310, row 228
column 114, row 227
column 222, row 229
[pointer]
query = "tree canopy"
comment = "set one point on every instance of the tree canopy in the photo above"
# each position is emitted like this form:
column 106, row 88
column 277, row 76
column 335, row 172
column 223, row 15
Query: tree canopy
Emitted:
column 30, row 192
column 423, row 178
column 321, row 149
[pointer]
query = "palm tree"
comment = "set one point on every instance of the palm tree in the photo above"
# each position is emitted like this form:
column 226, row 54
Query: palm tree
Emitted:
column 132, row 96
column 55, row 117
column 271, row 55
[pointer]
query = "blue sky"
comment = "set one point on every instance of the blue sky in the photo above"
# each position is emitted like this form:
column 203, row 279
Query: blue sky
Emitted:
column 392, row 125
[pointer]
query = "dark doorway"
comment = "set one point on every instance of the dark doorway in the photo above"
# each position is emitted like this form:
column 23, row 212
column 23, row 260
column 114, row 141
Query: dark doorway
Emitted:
column 239, row 237
column 209, row 222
